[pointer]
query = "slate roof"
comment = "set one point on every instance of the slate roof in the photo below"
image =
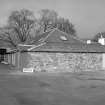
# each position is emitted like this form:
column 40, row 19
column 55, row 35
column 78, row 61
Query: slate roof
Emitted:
column 52, row 42
column 67, row 47
column 56, row 37
column 40, row 38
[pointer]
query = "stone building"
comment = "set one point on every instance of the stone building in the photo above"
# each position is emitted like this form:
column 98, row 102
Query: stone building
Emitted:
column 56, row 51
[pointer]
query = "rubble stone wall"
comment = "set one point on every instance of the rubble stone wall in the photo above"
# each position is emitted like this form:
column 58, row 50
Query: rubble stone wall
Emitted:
column 64, row 62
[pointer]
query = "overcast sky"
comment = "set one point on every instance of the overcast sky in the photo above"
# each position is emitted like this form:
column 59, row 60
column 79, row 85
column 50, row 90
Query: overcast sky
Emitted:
column 88, row 16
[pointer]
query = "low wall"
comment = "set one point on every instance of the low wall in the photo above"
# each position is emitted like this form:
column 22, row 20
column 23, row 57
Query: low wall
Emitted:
column 71, row 62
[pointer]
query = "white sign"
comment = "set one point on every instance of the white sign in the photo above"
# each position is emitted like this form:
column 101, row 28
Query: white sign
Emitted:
column 28, row 70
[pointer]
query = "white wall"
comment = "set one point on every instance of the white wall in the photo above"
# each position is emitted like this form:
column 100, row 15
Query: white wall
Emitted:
column 101, row 41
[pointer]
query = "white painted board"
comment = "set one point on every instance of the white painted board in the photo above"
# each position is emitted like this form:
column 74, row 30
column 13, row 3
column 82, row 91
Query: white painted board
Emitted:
column 30, row 70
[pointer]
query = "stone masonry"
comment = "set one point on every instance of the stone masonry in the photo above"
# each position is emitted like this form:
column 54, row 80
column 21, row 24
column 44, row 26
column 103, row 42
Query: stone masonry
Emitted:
column 64, row 62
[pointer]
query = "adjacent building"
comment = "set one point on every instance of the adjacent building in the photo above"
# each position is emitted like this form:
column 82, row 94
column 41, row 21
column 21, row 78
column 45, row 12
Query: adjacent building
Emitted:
column 101, row 40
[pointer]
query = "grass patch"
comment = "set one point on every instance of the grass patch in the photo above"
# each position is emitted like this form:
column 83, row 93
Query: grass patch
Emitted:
column 53, row 89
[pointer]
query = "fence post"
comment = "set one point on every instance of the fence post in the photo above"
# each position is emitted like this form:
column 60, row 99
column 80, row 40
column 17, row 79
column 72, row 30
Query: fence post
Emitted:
column 18, row 59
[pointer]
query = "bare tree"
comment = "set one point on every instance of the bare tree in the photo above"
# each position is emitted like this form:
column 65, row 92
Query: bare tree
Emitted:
column 65, row 26
column 8, row 36
column 49, row 19
column 23, row 26
column 19, row 27
column 22, row 22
